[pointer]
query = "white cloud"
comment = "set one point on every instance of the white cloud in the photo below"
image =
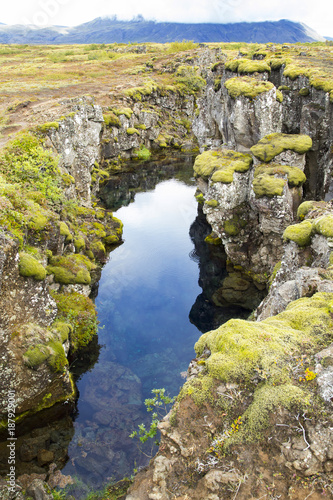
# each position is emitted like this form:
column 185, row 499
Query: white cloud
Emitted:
column 317, row 15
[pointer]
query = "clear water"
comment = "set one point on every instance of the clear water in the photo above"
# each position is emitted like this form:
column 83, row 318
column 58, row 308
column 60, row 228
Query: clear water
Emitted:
column 145, row 295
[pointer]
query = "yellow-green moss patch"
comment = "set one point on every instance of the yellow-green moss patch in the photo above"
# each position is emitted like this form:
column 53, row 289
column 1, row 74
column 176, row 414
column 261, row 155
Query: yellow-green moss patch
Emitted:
column 30, row 267
column 80, row 312
column 247, row 86
column 299, row 233
column 324, row 226
column 111, row 120
column 222, row 164
column 132, row 131
column 270, row 180
column 273, row 144
column 247, row 66
column 70, row 269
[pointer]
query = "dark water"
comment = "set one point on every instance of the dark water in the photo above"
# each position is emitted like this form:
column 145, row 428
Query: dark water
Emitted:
column 152, row 310
column 145, row 295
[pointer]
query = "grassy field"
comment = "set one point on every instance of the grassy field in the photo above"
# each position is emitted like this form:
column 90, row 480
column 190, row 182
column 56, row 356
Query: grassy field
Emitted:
column 35, row 80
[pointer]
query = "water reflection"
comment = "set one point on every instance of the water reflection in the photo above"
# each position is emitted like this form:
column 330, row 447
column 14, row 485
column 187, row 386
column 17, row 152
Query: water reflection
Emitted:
column 145, row 293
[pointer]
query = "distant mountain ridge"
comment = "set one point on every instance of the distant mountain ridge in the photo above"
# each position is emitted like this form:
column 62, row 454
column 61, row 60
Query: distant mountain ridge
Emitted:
column 110, row 30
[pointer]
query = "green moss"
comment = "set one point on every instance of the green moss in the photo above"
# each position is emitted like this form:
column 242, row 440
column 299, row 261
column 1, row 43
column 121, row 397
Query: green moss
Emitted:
column 46, row 127
column 266, row 400
column 299, row 233
column 97, row 248
column 142, row 154
column 79, row 244
column 111, row 120
column 199, row 388
column 285, row 88
column 247, row 87
column 64, row 231
column 247, row 66
column 36, row 355
column 324, row 226
column 212, row 239
column 30, row 267
column 212, row 203
column 304, row 92
column 221, row 165
column 268, row 180
column 123, row 111
column 200, row 198
column 62, row 330
column 71, row 269
column 276, row 269
column 79, row 311
column 67, row 179
column 276, row 63
column 57, row 359
column 274, row 144
column 231, row 228
column 112, row 239
column 189, row 79
column 305, row 208
column 239, row 347
column 279, row 96
column 136, row 93
column 38, row 222
column 132, row 131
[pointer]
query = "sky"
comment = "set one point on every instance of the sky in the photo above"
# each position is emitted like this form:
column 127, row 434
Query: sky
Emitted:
column 318, row 15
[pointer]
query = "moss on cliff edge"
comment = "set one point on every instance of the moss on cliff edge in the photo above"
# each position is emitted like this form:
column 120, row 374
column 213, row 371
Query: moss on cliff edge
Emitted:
column 241, row 351
column 299, row 233
column 270, row 180
column 71, row 269
column 273, row 144
column 30, row 267
column 79, row 312
column 246, row 86
column 247, row 66
column 221, row 165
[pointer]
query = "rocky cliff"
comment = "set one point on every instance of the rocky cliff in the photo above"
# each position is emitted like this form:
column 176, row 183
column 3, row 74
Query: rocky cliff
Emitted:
column 258, row 394
column 254, row 418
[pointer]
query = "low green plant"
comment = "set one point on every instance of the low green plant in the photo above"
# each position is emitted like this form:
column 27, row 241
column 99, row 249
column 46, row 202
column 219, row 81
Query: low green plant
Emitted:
column 159, row 406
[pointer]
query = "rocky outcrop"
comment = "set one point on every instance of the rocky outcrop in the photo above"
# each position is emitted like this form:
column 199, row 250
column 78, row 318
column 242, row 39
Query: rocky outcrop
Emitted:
column 248, row 434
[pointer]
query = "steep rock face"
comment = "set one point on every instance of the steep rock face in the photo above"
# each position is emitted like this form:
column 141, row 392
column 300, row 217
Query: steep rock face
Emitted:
column 305, row 266
column 77, row 141
column 33, row 350
column 237, row 123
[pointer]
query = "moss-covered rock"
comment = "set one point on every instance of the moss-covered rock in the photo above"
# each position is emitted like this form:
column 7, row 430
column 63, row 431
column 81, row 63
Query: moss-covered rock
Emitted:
column 30, row 267
column 221, row 165
column 213, row 239
column 233, row 226
column 242, row 350
column 305, row 208
column 111, row 120
column 36, row 355
column 80, row 312
column 132, row 131
column 274, row 144
column 247, row 66
column 269, row 180
column 71, row 269
column 212, row 203
column 324, row 226
column 299, row 233
column 247, row 87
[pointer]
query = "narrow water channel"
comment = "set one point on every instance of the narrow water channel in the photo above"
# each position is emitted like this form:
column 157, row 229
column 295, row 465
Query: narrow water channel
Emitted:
column 145, row 295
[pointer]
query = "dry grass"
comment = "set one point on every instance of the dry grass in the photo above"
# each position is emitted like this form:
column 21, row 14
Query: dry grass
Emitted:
column 35, row 80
